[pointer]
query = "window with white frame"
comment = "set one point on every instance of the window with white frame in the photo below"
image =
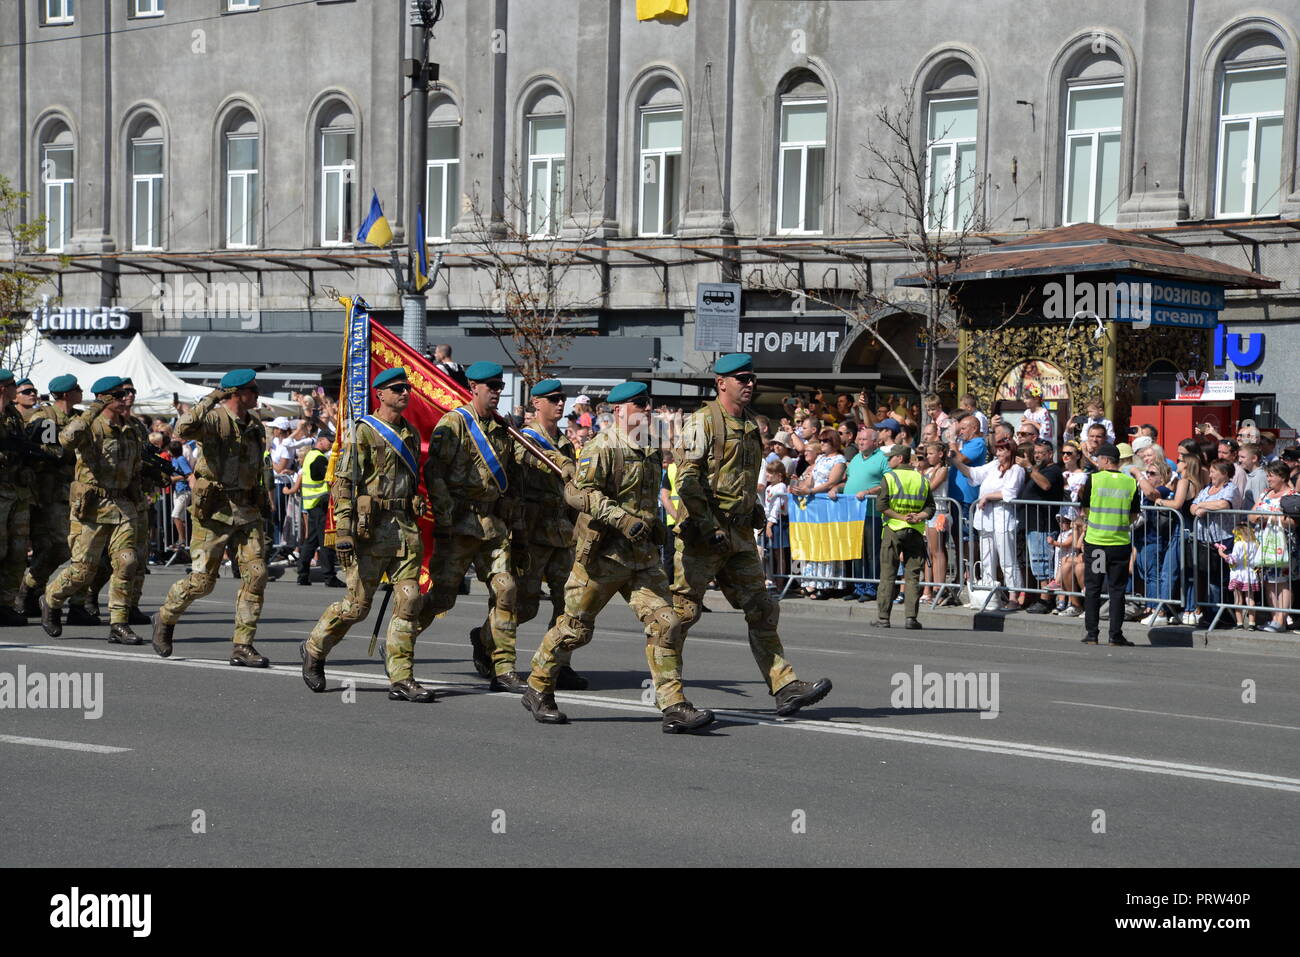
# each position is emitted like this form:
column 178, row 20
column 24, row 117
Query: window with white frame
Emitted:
column 950, row 162
column 442, row 181
column 546, row 144
column 146, row 193
column 241, row 190
column 57, row 175
column 238, row 6
column 1249, row 175
column 801, row 177
column 57, row 11
column 661, row 158
column 338, row 165
column 1093, row 117
column 148, row 8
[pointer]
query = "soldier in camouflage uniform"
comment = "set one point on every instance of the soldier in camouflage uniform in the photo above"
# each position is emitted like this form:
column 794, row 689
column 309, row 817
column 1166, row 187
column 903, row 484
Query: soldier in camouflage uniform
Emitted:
column 104, row 497
column 548, row 555
column 228, row 510
column 15, row 500
column 49, row 524
column 616, row 488
column 717, row 478
column 474, row 521
column 155, row 477
column 376, row 510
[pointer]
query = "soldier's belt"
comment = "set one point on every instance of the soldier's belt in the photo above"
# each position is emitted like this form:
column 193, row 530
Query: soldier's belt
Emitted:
column 479, row 508
column 394, row 504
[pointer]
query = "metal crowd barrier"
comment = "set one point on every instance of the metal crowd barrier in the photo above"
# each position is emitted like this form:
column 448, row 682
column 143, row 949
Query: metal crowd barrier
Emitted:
column 1272, row 571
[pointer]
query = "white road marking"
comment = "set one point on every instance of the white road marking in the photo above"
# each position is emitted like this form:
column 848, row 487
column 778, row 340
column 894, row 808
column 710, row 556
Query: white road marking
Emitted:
column 62, row 745
column 895, row 735
column 1174, row 714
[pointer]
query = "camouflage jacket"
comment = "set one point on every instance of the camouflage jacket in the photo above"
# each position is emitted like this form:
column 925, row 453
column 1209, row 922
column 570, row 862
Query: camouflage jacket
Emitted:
column 108, row 460
column 17, row 471
column 618, row 478
column 368, row 465
column 53, row 477
column 230, row 458
column 715, row 490
column 465, row 497
column 542, row 492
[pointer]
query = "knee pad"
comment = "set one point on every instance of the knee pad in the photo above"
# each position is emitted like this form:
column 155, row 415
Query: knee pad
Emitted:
column 354, row 608
column 762, row 611
column 574, row 633
column 687, row 609
column 406, row 600
column 203, row 584
column 125, row 563
column 504, row 591
column 664, row 629
column 254, row 575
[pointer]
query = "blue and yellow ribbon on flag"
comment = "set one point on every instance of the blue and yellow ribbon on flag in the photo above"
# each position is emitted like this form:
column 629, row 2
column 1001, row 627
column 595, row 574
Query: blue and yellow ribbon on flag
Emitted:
column 422, row 252
column 375, row 229
column 826, row 531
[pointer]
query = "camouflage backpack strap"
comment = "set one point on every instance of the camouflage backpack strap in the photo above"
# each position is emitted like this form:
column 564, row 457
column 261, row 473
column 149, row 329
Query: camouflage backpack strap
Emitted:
column 719, row 444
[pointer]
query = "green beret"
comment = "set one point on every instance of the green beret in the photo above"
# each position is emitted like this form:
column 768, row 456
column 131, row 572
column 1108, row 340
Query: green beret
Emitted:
column 107, row 384
column 732, row 363
column 483, row 371
column 388, row 377
column 626, row 391
column 547, row 387
column 6, row 377
column 237, row 378
column 63, row 383
column 23, row 382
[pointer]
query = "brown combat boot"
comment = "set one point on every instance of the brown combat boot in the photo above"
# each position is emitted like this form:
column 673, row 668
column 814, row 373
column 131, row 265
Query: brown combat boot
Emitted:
column 800, row 694
column 313, row 669
column 510, row 682
column 543, row 707
column 121, row 634
column 51, row 618
column 408, row 689
column 247, row 656
column 162, row 636
column 684, row 716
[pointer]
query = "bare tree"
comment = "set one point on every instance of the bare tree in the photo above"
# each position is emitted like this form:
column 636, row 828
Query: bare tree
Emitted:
column 539, row 282
column 19, row 284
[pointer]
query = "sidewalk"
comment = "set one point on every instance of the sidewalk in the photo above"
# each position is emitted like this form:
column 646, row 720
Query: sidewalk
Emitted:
column 1038, row 626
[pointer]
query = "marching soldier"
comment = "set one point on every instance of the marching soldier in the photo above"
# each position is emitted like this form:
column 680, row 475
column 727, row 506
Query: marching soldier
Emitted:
column 717, row 479
column 15, row 500
column 906, row 503
column 25, row 398
column 471, row 467
column 49, row 523
column 616, row 488
column 376, row 510
column 155, row 476
column 103, row 500
column 229, row 505
column 548, row 555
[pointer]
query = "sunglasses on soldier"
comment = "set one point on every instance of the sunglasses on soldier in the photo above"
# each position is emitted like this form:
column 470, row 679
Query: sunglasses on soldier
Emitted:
column 399, row 388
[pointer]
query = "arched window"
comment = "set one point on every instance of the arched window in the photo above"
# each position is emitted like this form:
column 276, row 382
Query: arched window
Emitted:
column 442, row 170
column 801, row 157
column 146, row 145
column 659, row 145
column 546, row 143
column 1093, row 139
column 1251, row 108
column 951, row 126
column 58, row 174
column 242, row 193
column 336, row 152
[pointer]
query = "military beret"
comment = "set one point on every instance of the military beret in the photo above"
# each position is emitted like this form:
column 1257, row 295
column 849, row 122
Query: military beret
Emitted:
column 483, row 371
column 237, row 378
column 6, row 377
column 63, row 383
column 126, row 380
column 106, row 384
column 23, row 382
column 898, row 449
column 389, row 376
column 733, row 363
column 546, row 387
column 626, row 391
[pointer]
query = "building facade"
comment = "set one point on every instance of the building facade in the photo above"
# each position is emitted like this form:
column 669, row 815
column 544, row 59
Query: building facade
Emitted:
column 204, row 164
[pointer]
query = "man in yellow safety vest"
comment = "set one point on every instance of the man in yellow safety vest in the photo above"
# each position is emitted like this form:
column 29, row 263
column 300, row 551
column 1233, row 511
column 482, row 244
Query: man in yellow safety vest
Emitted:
column 315, row 494
column 905, row 503
column 1110, row 504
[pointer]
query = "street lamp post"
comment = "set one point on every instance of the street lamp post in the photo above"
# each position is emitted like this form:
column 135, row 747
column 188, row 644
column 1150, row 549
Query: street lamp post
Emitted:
column 423, row 15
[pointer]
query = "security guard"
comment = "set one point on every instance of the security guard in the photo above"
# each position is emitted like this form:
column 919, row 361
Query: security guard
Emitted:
column 472, row 480
column 228, row 508
column 1110, row 504
column 49, row 523
column 616, row 488
column 16, row 483
column 719, row 458
column 103, row 500
column 376, row 508
column 547, row 554
column 906, row 503
column 315, row 495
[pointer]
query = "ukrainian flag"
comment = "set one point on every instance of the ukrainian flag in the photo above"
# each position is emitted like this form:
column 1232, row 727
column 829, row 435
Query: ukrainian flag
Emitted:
column 826, row 531
column 375, row 230
column 422, row 252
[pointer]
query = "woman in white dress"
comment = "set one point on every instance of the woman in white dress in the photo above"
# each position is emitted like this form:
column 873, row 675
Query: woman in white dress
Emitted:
column 995, row 518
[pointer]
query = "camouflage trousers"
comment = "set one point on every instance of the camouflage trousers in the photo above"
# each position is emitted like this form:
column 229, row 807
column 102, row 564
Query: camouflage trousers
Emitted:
column 739, row 573
column 491, row 558
column 88, row 541
column 50, row 548
column 549, row 564
column 208, row 543
column 140, row 523
column 363, row 577
column 15, row 533
column 585, row 594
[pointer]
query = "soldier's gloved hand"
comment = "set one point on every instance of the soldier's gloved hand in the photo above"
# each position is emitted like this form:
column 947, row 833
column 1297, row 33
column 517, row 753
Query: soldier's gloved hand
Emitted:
column 632, row 528
column 344, row 551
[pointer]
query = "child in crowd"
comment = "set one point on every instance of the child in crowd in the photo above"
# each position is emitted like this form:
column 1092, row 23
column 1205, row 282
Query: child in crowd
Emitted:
column 777, row 537
column 1244, row 580
column 1069, row 565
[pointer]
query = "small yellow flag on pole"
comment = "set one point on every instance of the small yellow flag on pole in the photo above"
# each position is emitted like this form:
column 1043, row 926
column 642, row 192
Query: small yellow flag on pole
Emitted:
column 650, row 9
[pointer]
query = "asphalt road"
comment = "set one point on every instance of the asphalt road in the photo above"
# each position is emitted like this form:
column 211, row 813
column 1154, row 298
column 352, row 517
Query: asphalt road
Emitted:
column 1097, row 757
